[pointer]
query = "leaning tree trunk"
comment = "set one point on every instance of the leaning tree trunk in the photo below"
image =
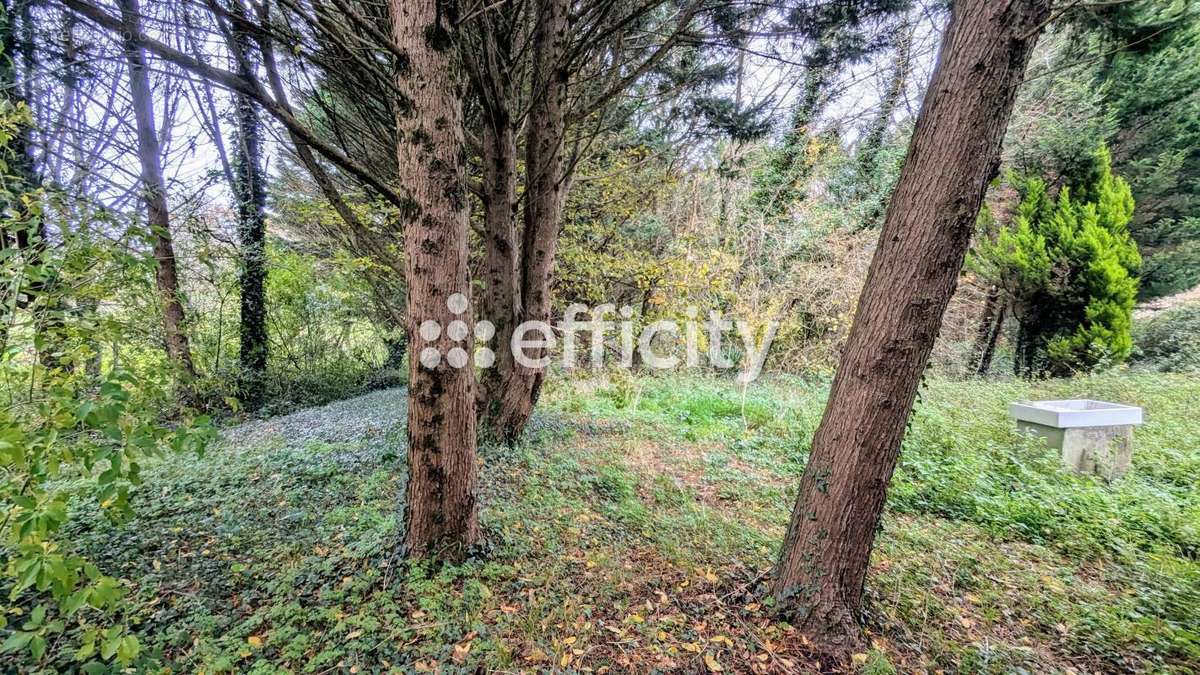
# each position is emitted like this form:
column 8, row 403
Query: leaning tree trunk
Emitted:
column 154, row 193
column 251, row 195
column 954, row 153
column 440, row 514
column 543, row 207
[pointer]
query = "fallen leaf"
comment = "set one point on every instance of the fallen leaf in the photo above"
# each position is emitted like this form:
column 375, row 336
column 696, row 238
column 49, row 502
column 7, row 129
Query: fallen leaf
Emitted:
column 255, row 641
column 460, row 652
column 712, row 664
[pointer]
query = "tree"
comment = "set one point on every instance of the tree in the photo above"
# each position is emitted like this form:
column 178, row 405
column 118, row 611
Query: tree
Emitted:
column 1126, row 74
column 250, row 195
column 154, row 194
column 544, row 188
column 1068, row 268
column 440, row 510
column 954, row 154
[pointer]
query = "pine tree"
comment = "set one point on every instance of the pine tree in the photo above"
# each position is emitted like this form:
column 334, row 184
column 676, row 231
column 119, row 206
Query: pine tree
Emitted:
column 1070, row 270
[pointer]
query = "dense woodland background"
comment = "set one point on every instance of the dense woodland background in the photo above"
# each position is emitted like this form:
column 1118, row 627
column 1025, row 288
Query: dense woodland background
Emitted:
column 204, row 222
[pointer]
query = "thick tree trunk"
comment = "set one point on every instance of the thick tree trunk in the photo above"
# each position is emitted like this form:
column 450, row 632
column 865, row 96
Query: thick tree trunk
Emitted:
column 251, row 195
column 440, row 513
column 154, row 194
column 501, row 294
column 543, row 207
column 954, row 153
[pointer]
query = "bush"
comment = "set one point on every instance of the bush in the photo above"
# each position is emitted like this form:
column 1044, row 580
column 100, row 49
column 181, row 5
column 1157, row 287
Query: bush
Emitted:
column 1171, row 272
column 1069, row 266
column 1170, row 341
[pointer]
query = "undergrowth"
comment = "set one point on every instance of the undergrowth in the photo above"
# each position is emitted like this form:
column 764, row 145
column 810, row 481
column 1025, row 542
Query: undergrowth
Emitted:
column 632, row 529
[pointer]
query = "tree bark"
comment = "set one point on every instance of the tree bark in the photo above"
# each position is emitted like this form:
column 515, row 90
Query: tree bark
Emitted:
column 954, row 153
column 989, row 332
column 543, row 207
column 501, row 294
column 38, row 294
column 251, row 196
column 490, row 66
column 154, row 193
column 440, row 514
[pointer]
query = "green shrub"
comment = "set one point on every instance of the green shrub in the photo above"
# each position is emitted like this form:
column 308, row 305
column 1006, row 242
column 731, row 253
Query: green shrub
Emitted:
column 1172, row 271
column 1171, row 340
column 1069, row 266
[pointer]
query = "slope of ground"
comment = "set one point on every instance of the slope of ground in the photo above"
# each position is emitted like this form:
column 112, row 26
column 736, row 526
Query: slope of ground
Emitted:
column 633, row 529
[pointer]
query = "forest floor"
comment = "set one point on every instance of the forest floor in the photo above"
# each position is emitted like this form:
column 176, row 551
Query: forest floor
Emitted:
column 631, row 531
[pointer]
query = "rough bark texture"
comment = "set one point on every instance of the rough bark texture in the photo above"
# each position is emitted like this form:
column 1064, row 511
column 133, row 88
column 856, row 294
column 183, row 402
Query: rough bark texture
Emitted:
column 543, row 206
column 154, row 193
column 440, row 514
column 501, row 293
column 954, row 153
column 251, row 195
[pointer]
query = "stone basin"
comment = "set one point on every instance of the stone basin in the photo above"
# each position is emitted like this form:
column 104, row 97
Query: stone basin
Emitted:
column 1092, row 436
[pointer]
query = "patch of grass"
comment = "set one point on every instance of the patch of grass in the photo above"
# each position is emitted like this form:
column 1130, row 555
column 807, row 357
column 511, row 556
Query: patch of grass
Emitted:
column 632, row 528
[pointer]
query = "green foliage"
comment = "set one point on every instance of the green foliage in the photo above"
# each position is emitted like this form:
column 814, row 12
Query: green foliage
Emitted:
column 1172, row 271
column 1069, row 266
column 1126, row 75
column 76, row 425
column 325, row 343
column 274, row 551
column 1170, row 341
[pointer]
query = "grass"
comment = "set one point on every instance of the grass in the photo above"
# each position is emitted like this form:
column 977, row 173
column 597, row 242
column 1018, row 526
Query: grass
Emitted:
column 631, row 531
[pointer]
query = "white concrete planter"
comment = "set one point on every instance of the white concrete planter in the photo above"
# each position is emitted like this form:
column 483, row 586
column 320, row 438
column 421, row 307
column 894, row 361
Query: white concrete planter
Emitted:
column 1093, row 436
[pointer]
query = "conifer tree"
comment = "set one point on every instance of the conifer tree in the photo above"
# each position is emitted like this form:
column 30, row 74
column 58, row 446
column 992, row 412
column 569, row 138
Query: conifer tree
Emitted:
column 1070, row 270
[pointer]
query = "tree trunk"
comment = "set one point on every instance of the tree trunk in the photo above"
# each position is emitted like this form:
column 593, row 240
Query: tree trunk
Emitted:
column 1025, row 349
column 872, row 145
column 154, row 194
column 954, row 153
column 989, row 332
column 251, row 196
column 501, row 294
column 38, row 294
column 543, row 207
column 440, row 514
